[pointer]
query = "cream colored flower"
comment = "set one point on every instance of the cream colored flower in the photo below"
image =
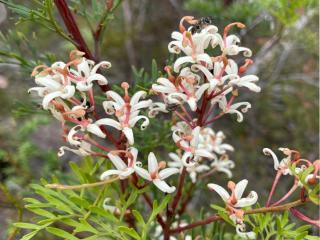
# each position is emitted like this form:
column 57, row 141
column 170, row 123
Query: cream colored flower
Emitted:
column 126, row 110
column 156, row 175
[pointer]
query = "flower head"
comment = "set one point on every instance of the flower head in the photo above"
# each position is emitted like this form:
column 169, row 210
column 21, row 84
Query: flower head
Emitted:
column 235, row 199
column 123, row 170
column 189, row 143
column 156, row 175
column 126, row 110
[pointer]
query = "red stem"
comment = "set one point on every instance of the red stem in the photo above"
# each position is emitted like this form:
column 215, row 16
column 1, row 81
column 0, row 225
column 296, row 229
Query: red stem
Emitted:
column 179, row 191
column 72, row 27
column 216, row 217
column 273, row 188
column 75, row 33
column 293, row 188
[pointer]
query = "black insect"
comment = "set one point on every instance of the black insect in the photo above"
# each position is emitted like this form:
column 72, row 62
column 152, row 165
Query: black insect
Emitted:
column 201, row 24
column 171, row 107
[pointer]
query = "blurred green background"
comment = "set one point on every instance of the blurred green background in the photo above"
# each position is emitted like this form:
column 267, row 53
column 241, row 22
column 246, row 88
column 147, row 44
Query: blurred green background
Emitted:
column 282, row 34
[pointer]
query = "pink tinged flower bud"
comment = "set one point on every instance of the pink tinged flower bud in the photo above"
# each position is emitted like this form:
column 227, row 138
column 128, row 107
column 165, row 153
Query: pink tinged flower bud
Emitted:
column 189, row 19
column 243, row 68
column 125, row 87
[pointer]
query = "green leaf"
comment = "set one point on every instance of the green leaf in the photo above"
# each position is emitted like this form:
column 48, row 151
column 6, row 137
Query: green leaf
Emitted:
column 139, row 217
column 104, row 213
column 29, row 235
column 218, row 208
column 41, row 212
column 309, row 237
column 61, row 233
column 84, row 226
column 26, row 225
column 130, row 231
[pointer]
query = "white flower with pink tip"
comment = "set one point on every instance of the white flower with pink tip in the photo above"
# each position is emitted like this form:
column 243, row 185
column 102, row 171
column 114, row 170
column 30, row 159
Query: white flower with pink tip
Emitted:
column 156, row 175
column 235, row 199
column 124, row 170
column 126, row 110
column 234, row 202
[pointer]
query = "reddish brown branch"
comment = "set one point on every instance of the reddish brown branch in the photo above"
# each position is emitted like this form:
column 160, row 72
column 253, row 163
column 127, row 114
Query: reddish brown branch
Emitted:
column 72, row 27
column 179, row 191
column 216, row 217
column 186, row 199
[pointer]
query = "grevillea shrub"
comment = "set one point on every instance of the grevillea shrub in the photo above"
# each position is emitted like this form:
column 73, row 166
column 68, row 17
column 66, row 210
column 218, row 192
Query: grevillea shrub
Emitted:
column 121, row 190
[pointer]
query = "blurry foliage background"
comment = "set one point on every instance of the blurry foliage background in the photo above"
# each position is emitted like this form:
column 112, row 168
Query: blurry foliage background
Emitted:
column 282, row 34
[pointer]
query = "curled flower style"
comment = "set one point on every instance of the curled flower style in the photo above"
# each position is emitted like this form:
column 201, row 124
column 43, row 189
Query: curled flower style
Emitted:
column 233, row 108
column 192, row 170
column 155, row 108
column 84, row 149
column 214, row 141
column 126, row 110
column 283, row 165
column 241, row 231
column 75, row 139
column 156, row 175
column 77, row 136
column 123, row 170
column 106, row 206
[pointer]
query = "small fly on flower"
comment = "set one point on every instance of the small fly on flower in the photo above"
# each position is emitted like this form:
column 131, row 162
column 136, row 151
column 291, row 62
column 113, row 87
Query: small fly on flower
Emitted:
column 201, row 24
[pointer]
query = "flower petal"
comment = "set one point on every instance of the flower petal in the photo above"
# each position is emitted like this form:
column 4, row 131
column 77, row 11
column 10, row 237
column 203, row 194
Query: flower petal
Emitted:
column 142, row 173
column 117, row 161
column 180, row 61
column 250, row 200
column 269, row 152
column 129, row 135
column 116, row 97
column 93, row 128
column 220, row 190
column 48, row 98
column 108, row 173
column 136, row 97
column 152, row 163
column 167, row 172
column 163, row 186
column 240, row 187
column 109, row 122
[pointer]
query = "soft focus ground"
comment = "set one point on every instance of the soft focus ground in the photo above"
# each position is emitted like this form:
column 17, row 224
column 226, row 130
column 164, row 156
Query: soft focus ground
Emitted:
column 284, row 114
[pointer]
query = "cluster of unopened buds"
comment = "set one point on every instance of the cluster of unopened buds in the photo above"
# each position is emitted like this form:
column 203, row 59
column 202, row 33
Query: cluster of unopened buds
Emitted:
column 198, row 88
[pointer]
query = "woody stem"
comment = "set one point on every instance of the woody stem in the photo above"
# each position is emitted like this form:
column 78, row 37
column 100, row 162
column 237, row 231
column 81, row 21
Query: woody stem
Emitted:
column 216, row 217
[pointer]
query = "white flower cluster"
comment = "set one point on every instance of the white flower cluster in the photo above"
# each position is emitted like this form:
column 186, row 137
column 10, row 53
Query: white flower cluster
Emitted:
column 197, row 146
column 198, row 71
column 66, row 90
